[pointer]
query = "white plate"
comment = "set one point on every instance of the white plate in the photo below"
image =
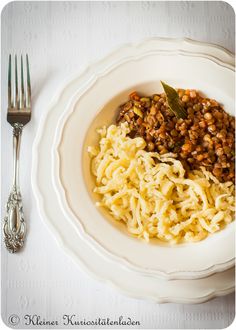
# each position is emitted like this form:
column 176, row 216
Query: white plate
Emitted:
column 72, row 242
column 96, row 96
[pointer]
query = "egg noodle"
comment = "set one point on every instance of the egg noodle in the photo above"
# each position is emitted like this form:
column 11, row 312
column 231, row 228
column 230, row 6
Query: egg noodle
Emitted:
column 151, row 194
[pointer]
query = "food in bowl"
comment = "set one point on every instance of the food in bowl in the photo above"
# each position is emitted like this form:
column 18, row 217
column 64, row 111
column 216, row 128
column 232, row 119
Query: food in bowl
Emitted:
column 152, row 171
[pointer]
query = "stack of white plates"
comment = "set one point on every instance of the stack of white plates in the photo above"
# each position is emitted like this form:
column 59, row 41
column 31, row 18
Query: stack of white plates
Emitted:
column 62, row 182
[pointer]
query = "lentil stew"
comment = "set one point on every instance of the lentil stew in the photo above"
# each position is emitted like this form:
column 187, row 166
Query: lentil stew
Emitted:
column 205, row 138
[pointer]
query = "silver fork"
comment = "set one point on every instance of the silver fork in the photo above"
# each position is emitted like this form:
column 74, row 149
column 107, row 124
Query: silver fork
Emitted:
column 18, row 115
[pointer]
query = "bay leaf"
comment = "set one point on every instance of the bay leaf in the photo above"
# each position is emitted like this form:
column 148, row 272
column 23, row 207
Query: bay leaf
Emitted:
column 173, row 101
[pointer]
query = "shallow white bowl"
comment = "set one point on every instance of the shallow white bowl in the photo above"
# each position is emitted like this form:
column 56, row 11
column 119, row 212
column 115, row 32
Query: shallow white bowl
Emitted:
column 95, row 104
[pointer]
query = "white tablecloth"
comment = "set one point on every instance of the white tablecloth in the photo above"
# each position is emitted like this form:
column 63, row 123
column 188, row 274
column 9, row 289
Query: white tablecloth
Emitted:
column 61, row 38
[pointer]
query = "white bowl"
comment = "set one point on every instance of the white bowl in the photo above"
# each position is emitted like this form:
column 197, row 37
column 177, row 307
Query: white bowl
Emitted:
column 94, row 104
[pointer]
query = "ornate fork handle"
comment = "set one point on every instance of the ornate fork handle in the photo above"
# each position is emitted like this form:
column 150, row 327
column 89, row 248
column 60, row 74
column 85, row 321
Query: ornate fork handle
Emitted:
column 14, row 227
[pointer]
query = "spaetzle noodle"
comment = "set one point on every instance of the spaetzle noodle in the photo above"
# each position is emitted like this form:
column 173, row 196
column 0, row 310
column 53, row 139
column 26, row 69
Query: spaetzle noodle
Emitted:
column 151, row 194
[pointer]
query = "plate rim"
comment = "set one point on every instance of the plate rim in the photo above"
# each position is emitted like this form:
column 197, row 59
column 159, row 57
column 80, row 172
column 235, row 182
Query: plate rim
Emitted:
column 40, row 205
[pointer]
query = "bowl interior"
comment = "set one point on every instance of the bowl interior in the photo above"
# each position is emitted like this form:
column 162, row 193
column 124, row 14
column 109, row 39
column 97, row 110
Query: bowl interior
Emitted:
column 105, row 117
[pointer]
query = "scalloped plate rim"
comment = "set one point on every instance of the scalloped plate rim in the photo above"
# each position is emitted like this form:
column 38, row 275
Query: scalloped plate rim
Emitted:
column 40, row 200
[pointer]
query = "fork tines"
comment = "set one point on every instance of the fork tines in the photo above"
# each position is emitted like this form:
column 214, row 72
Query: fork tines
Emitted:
column 18, row 100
